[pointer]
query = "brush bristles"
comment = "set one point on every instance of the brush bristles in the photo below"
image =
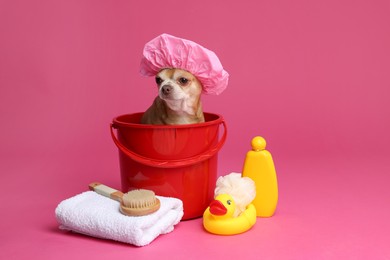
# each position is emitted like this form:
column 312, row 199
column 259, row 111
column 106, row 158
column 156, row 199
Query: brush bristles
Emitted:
column 139, row 203
column 139, row 199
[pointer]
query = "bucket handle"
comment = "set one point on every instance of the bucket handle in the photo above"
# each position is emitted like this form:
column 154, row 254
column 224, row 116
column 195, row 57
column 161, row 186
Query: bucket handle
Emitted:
column 170, row 163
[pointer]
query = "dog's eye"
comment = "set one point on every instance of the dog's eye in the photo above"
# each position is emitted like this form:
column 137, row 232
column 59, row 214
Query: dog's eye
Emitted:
column 158, row 80
column 183, row 81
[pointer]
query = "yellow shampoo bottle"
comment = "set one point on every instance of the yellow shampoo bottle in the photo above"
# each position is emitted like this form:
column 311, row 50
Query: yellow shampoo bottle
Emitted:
column 260, row 167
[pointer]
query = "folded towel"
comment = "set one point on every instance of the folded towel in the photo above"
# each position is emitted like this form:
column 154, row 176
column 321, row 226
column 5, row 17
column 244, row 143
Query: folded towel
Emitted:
column 92, row 214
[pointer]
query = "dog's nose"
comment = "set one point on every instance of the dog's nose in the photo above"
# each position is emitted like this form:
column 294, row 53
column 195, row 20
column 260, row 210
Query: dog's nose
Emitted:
column 166, row 89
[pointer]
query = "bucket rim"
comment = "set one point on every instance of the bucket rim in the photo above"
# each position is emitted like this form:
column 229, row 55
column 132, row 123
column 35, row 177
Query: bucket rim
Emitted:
column 117, row 122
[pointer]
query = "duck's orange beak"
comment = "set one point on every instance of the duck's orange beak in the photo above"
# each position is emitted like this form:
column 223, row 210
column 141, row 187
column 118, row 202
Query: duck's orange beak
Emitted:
column 217, row 208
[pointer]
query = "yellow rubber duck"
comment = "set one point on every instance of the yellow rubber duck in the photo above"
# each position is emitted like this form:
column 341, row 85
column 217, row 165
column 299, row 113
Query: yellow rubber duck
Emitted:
column 218, row 217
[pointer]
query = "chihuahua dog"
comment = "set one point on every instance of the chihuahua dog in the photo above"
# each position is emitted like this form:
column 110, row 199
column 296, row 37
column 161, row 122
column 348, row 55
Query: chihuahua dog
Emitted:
column 178, row 101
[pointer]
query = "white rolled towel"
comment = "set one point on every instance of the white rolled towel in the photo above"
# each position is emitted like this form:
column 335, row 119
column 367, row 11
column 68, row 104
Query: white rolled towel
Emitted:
column 95, row 215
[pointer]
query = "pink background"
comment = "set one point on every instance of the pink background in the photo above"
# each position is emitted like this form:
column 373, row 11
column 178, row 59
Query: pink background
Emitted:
column 312, row 77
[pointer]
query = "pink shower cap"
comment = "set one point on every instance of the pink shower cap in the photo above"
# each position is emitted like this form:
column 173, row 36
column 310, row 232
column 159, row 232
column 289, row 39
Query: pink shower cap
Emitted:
column 167, row 51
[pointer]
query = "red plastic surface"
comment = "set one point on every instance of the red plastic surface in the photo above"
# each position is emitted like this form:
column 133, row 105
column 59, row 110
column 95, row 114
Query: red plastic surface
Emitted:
column 176, row 161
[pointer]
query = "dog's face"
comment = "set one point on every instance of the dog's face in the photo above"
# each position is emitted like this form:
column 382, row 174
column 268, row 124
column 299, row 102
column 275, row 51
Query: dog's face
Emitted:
column 176, row 85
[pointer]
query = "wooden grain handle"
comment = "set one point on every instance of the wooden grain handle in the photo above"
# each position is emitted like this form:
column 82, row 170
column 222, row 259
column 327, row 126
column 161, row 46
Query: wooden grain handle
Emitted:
column 106, row 191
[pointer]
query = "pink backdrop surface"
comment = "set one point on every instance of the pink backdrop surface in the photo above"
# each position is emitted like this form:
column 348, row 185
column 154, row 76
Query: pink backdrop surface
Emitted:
column 311, row 77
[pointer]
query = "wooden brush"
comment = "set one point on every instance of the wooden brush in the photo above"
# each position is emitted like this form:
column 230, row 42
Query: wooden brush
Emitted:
column 133, row 203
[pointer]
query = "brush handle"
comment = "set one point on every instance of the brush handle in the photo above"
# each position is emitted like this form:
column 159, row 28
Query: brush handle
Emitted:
column 106, row 191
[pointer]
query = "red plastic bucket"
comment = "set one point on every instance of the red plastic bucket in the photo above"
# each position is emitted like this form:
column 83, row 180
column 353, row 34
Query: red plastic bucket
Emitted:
column 172, row 160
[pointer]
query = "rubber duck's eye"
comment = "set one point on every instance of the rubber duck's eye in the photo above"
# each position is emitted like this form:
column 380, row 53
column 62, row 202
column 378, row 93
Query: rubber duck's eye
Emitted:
column 158, row 80
column 229, row 202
